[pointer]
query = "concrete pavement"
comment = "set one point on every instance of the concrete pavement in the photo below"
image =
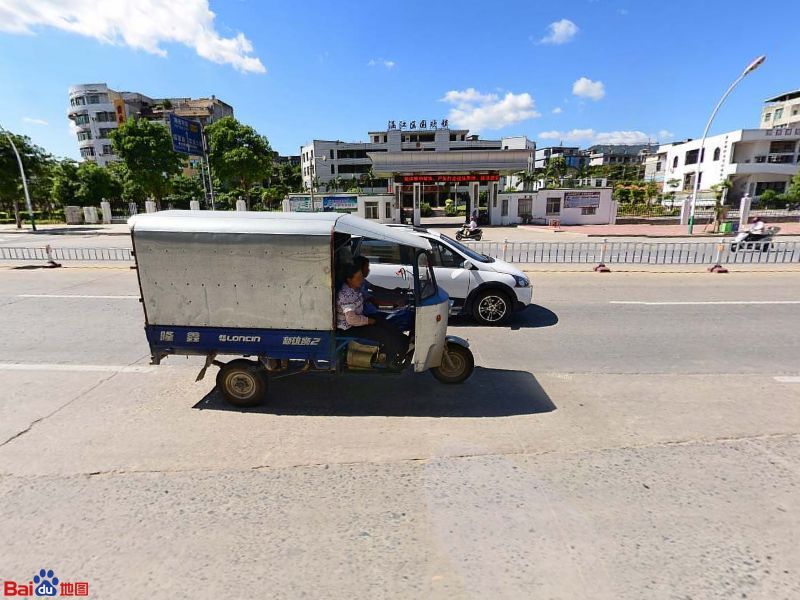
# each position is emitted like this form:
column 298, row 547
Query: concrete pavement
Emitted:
column 601, row 450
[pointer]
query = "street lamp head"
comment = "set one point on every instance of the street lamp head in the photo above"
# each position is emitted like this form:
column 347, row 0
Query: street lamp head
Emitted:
column 755, row 64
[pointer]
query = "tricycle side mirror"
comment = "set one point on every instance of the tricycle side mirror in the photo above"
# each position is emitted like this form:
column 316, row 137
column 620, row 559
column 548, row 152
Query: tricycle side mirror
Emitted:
column 467, row 264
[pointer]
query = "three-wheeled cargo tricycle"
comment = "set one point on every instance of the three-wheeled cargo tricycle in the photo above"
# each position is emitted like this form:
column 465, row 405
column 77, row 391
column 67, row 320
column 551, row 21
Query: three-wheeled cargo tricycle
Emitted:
column 262, row 286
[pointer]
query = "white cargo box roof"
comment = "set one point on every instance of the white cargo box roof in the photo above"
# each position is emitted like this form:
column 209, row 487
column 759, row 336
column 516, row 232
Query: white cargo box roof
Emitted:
column 271, row 223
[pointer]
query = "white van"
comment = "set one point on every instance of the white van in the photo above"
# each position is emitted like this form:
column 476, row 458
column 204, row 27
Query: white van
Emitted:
column 487, row 288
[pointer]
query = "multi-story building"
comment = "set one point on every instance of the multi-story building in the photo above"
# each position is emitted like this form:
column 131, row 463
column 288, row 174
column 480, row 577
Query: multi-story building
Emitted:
column 781, row 111
column 96, row 110
column 574, row 157
column 755, row 160
column 324, row 162
column 619, row 154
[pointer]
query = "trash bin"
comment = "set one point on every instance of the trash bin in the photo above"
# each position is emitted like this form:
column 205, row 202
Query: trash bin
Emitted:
column 726, row 227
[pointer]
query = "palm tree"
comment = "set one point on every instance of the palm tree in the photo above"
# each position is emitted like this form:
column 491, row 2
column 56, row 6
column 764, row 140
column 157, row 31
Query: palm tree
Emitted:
column 720, row 210
column 526, row 178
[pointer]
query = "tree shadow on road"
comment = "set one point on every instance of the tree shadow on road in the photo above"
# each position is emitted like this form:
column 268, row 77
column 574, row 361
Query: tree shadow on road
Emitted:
column 534, row 316
column 488, row 393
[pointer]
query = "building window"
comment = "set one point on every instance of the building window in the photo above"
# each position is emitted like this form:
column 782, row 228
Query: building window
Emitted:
column 376, row 139
column 107, row 149
column 767, row 116
column 104, row 132
column 658, row 166
column 553, row 206
column 598, row 183
column 388, row 210
column 716, row 154
column 370, row 210
column 588, row 210
column 82, row 119
column 84, row 135
column 504, row 208
column 795, row 109
column 777, row 186
column 87, row 152
column 675, row 163
column 331, row 154
column 333, row 169
column 778, row 113
column 691, row 156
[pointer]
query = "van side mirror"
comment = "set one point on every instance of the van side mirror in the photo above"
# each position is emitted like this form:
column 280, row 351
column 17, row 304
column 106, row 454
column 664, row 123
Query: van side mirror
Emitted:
column 467, row 264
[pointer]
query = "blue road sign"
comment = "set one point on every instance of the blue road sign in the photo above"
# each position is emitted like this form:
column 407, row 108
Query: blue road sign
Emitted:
column 186, row 135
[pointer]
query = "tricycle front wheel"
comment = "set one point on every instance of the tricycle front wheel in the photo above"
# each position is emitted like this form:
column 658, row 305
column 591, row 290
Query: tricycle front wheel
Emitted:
column 457, row 364
column 242, row 383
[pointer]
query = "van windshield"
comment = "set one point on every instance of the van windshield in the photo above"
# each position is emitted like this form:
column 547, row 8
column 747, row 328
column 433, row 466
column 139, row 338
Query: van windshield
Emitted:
column 471, row 254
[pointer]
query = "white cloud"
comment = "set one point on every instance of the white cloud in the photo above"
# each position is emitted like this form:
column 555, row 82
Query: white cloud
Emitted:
column 586, row 88
column 140, row 24
column 590, row 136
column 374, row 62
column 557, row 110
column 476, row 111
column 34, row 121
column 560, row 32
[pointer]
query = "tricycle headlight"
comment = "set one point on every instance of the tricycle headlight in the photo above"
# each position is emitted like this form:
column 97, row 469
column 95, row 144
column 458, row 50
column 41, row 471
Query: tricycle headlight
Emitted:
column 521, row 281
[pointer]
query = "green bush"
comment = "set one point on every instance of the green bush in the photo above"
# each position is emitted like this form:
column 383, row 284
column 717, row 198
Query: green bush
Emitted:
column 425, row 209
column 461, row 211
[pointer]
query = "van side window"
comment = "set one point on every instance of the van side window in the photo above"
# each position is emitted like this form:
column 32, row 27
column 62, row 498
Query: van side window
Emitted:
column 444, row 256
column 378, row 251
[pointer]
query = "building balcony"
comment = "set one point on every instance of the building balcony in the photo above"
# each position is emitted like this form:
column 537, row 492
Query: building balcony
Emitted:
column 762, row 168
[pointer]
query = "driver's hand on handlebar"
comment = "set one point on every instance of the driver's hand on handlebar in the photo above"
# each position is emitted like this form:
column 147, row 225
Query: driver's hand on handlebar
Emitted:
column 370, row 321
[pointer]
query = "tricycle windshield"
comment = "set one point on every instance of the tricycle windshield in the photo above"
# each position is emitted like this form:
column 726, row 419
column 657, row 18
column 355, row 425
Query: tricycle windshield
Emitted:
column 426, row 282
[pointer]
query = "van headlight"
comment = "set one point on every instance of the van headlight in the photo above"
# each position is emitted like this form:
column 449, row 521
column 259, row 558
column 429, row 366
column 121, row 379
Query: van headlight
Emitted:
column 521, row 281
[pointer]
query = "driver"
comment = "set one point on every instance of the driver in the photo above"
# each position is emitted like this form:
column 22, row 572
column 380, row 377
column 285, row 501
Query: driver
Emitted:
column 350, row 319
column 400, row 318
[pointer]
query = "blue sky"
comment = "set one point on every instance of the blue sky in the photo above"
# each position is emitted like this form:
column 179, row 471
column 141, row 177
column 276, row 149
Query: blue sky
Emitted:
column 586, row 71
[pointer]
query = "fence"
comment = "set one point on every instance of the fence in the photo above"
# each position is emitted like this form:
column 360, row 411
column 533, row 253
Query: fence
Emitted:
column 651, row 253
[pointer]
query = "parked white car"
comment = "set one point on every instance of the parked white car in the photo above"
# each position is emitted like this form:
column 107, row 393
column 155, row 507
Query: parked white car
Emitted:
column 487, row 288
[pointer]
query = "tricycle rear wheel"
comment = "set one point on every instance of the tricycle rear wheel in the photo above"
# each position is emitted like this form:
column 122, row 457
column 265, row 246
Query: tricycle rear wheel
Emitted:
column 242, row 383
column 457, row 364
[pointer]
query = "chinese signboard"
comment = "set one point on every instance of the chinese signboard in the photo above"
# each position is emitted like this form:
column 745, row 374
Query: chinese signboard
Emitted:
column 186, row 135
column 581, row 199
column 421, row 124
column 335, row 203
column 444, row 178
column 119, row 109
column 300, row 203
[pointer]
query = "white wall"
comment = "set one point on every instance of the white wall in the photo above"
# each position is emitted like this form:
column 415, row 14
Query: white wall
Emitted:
column 604, row 213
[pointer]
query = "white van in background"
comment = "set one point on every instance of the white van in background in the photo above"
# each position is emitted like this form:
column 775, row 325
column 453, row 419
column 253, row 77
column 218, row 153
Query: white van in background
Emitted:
column 488, row 289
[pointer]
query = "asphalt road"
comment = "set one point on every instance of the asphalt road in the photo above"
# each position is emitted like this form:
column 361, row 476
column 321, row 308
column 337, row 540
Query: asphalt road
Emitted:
column 631, row 436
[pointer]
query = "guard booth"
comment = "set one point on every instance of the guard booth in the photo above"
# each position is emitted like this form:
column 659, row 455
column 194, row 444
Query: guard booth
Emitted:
column 434, row 176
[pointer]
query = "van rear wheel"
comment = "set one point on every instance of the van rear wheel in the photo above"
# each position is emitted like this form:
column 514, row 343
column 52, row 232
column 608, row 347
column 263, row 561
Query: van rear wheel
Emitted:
column 457, row 364
column 242, row 383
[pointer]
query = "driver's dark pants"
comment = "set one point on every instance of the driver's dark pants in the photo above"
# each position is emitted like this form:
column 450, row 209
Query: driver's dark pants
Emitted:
column 394, row 343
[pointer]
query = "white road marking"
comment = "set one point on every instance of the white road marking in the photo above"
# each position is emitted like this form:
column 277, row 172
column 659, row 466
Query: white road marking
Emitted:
column 787, row 379
column 83, row 368
column 704, row 302
column 82, row 296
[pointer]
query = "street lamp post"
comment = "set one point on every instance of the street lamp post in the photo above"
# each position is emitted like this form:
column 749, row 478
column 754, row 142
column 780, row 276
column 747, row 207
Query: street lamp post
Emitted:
column 24, row 179
column 749, row 69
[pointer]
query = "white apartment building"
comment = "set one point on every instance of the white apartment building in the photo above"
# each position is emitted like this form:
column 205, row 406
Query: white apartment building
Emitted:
column 95, row 110
column 755, row 160
column 323, row 161
column 782, row 110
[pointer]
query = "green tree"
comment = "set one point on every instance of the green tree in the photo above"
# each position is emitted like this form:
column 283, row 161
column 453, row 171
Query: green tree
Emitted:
column 183, row 190
column 132, row 190
column 36, row 163
column 95, row 184
column 720, row 210
column 238, row 154
column 554, row 171
column 146, row 149
column 65, row 183
column 793, row 191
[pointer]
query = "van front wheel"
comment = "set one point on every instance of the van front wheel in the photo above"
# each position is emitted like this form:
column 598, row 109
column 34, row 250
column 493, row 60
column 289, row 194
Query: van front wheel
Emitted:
column 457, row 364
column 242, row 383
